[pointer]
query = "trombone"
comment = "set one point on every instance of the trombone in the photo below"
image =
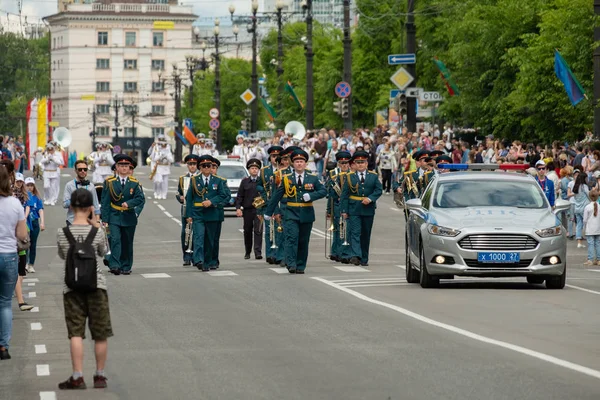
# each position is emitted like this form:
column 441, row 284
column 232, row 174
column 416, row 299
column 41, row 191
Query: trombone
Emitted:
column 343, row 231
column 189, row 238
column 272, row 232
column 329, row 231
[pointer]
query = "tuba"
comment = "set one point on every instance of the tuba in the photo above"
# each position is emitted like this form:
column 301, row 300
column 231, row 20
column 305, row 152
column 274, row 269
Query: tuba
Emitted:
column 297, row 129
column 63, row 137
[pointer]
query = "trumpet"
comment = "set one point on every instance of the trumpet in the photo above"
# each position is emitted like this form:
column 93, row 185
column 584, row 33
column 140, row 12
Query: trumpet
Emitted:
column 189, row 238
column 106, row 231
column 343, row 231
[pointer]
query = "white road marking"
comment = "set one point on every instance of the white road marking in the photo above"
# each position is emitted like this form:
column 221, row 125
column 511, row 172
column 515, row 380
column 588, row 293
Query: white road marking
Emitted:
column 35, row 309
column 371, row 281
column 468, row 334
column 380, row 285
column 401, row 266
column 45, row 247
column 352, row 269
column 354, row 280
column 149, row 197
column 155, row 202
column 178, row 222
column 168, row 214
column 31, row 284
column 279, row 270
column 594, row 270
column 161, row 207
column 36, row 326
column 157, row 275
column 47, row 395
column 394, row 209
column 40, row 349
column 583, row 289
column 221, row 273
column 42, row 369
column 241, row 230
column 32, row 295
column 27, row 280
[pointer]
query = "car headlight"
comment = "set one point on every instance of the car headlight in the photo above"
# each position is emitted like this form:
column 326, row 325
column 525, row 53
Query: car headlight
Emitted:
column 549, row 232
column 442, row 231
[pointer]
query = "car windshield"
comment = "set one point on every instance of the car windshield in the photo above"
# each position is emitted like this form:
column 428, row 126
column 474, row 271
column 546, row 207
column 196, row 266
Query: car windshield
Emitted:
column 232, row 172
column 486, row 193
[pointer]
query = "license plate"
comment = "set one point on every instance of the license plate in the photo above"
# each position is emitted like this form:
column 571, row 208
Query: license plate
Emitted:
column 498, row 257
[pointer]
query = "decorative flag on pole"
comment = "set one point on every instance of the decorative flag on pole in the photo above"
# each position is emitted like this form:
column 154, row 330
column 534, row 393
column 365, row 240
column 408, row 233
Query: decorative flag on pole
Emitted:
column 290, row 89
column 31, row 139
column 189, row 135
column 564, row 73
column 270, row 110
column 42, row 123
column 181, row 138
column 445, row 74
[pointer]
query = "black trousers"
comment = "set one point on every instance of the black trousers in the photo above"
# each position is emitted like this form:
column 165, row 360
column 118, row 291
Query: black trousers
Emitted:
column 386, row 177
column 252, row 227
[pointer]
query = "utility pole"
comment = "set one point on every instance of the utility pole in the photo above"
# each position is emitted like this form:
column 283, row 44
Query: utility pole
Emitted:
column 597, row 73
column 116, row 105
column 411, row 47
column 254, row 104
column 347, row 61
column 133, row 115
column 280, row 87
column 218, row 86
column 310, row 117
column 94, row 129
column 177, row 98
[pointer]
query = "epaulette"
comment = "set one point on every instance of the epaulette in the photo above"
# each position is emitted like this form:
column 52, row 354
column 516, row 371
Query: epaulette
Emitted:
column 332, row 174
column 183, row 176
column 220, row 177
column 133, row 179
column 351, row 173
column 111, row 178
column 372, row 172
column 311, row 174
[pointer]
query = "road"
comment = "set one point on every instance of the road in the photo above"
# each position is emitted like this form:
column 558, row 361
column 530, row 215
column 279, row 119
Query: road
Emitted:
column 250, row 331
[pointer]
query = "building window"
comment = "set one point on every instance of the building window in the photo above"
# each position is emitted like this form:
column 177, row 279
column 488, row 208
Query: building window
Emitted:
column 158, row 110
column 158, row 65
column 54, row 41
column 130, row 108
column 129, row 131
column 102, row 38
column 158, row 86
column 158, row 131
column 130, row 39
column 53, row 87
column 102, row 63
column 130, row 87
column 102, row 108
column 102, row 86
column 157, row 39
column 102, row 131
column 130, row 64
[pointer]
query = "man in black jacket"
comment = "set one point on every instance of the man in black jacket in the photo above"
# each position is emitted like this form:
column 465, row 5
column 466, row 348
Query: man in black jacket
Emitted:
column 252, row 223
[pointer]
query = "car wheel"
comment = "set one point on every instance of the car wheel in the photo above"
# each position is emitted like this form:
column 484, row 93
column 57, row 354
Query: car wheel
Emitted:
column 426, row 280
column 412, row 275
column 557, row 281
column 535, row 280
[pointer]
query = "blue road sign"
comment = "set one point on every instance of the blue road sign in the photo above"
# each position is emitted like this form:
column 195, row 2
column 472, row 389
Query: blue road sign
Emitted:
column 396, row 59
column 245, row 133
column 395, row 92
column 343, row 90
column 214, row 123
column 188, row 122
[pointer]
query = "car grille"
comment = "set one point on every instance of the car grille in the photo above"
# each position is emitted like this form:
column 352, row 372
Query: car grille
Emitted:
column 498, row 242
column 473, row 263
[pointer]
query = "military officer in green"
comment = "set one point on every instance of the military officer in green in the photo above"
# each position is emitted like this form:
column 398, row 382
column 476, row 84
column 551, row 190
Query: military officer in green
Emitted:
column 122, row 202
column 334, row 184
column 191, row 161
column 284, row 162
column 213, row 255
column 359, row 196
column 264, row 187
column 296, row 192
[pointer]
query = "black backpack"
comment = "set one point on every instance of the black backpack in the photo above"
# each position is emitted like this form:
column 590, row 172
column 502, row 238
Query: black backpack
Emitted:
column 80, row 273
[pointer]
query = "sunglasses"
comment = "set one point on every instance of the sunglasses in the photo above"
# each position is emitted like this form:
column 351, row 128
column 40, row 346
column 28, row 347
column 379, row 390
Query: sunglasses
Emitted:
column 541, row 169
column 192, row 163
column 82, row 169
column 205, row 165
column 343, row 162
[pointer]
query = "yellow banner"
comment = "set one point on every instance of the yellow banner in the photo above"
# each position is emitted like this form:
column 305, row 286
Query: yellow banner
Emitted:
column 54, row 124
column 42, row 115
column 164, row 25
column 88, row 97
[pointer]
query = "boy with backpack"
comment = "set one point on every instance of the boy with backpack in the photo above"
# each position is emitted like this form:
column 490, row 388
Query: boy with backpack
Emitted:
column 84, row 294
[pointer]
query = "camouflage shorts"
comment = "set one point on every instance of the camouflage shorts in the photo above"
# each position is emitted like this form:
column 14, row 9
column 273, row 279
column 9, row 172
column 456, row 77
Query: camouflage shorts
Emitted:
column 92, row 306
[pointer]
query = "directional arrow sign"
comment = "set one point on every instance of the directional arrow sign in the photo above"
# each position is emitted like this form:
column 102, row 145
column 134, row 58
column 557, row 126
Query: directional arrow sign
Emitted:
column 395, row 93
column 396, row 59
column 402, row 79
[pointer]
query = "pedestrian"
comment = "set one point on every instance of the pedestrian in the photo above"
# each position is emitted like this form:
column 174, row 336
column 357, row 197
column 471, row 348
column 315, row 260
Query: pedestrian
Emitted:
column 244, row 204
column 20, row 193
column 566, row 177
column 546, row 184
column 12, row 228
column 80, row 181
column 579, row 190
column 35, row 221
column 591, row 220
column 91, row 305
column 387, row 164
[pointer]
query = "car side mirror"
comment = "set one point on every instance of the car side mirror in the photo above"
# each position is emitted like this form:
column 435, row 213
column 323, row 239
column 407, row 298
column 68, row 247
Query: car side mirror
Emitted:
column 414, row 204
column 561, row 205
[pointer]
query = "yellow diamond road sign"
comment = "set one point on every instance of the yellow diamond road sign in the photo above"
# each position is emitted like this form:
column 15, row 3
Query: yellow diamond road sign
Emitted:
column 402, row 79
column 248, row 96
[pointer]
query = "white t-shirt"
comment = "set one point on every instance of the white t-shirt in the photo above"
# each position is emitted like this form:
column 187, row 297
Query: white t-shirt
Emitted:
column 11, row 212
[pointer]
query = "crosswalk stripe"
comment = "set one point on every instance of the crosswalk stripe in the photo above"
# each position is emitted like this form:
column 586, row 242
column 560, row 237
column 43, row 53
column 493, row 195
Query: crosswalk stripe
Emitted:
column 352, row 269
column 222, row 273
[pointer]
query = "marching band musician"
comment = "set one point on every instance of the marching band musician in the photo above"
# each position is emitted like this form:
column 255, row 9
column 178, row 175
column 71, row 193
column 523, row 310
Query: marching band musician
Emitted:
column 335, row 183
column 103, row 160
column 191, row 161
column 202, row 200
column 122, row 202
column 258, row 152
column 199, row 148
column 240, row 148
column 359, row 196
column 163, row 158
column 214, row 259
column 247, row 192
column 265, row 186
column 297, row 192
column 51, row 163
column 210, row 148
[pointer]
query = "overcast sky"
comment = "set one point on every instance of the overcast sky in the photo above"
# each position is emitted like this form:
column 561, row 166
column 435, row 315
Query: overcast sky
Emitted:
column 36, row 9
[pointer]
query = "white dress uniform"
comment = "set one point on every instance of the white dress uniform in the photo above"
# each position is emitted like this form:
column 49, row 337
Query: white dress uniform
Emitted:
column 150, row 154
column 51, row 164
column 164, row 158
column 103, row 160
column 259, row 153
column 241, row 151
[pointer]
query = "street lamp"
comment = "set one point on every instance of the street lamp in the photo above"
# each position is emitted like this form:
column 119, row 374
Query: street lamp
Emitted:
column 307, row 8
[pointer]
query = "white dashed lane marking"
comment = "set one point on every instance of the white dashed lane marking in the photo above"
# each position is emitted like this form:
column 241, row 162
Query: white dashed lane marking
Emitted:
column 157, row 275
column 32, row 295
column 221, row 273
column 47, row 395
column 36, row 326
column 35, row 309
column 40, row 349
column 27, row 280
column 31, row 284
column 42, row 369
column 352, row 269
column 279, row 270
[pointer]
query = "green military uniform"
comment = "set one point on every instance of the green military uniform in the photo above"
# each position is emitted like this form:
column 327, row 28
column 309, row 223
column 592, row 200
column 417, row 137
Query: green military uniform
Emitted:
column 264, row 187
column 185, row 180
column 212, row 257
column 335, row 183
column 297, row 212
column 122, row 221
column 360, row 216
column 205, row 219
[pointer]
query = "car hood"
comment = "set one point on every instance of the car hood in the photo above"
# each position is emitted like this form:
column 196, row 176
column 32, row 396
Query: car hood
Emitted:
column 233, row 183
column 493, row 217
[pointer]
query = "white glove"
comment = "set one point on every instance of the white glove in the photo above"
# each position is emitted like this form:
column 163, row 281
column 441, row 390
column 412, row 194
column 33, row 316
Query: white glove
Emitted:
column 267, row 218
column 306, row 197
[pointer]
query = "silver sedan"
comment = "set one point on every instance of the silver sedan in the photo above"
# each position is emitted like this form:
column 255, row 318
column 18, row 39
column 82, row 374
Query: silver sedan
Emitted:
column 485, row 224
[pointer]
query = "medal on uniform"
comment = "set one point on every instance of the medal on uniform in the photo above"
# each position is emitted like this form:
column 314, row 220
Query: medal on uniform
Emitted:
column 131, row 191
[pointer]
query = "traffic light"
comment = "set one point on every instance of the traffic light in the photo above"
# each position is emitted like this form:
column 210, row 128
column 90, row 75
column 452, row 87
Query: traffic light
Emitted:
column 402, row 104
column 245, row 125
column 345, row 108
column 337, row 107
